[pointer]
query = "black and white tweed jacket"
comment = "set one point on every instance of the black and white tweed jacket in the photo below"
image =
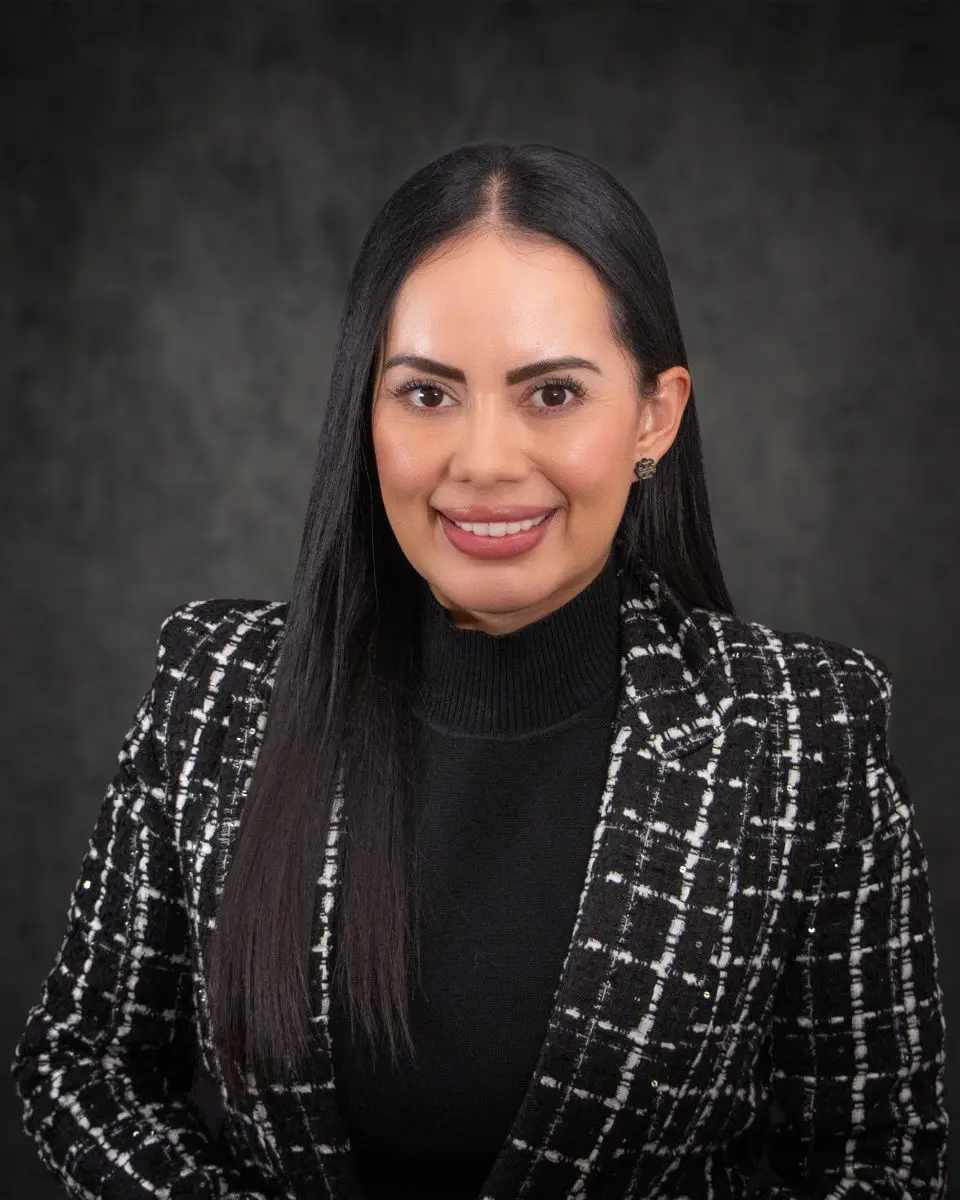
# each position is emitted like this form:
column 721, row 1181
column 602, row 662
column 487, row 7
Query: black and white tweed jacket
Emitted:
column 753, row 935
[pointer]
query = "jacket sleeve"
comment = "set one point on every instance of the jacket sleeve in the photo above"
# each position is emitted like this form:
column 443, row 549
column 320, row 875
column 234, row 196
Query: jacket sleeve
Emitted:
column 105, row 1063
column 858, row 1034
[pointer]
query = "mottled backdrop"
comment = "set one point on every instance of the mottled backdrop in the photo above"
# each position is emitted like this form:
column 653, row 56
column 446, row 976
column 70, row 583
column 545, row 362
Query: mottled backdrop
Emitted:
column 184, row 187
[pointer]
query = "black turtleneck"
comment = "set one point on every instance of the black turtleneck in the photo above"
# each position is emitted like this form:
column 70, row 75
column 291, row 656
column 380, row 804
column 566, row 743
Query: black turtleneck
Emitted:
column 513, row 740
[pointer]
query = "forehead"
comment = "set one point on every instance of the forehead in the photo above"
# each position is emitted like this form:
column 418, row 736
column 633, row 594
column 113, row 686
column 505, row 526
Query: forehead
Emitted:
column 500, row 289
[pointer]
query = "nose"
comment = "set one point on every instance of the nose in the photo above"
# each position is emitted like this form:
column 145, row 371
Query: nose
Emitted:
column 489, row 447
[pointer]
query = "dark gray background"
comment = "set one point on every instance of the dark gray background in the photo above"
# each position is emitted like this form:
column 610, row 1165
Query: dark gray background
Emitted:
column 184, row 188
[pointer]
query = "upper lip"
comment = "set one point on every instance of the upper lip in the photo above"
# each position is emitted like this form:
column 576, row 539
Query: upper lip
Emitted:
column 494, row 514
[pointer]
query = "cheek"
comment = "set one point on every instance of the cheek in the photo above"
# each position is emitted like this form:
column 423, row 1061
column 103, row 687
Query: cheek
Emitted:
column 403, row 462
column 594, row 467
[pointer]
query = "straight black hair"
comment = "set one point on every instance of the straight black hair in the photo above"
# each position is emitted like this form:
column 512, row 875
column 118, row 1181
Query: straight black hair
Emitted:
column 339, row 709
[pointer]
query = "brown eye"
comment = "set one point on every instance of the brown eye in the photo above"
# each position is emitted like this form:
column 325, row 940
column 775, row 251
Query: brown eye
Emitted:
column 408, row 392
column 433, row 396
column 554, row 395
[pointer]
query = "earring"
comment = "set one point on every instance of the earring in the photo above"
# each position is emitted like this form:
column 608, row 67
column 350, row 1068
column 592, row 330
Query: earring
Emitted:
column 644, row 468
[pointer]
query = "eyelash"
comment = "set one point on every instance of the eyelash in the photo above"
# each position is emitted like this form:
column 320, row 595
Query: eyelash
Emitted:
column 564, row 381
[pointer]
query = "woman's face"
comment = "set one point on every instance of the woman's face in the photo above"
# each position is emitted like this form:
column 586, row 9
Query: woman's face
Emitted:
column 486, row 426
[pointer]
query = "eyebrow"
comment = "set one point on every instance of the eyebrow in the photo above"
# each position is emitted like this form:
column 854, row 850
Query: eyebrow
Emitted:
column 518, row 375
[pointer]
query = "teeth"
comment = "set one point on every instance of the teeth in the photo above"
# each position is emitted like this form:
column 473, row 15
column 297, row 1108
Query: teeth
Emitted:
column 499, row 528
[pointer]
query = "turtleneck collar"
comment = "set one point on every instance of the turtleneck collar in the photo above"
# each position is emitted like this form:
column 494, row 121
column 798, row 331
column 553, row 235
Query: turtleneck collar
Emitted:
column 511, row 684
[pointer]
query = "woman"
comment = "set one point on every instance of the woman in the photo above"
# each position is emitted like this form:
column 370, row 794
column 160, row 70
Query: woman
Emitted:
column 504, row 860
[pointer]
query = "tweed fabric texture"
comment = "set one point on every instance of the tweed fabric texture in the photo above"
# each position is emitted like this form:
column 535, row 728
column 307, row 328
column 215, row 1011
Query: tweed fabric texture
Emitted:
column 754, row 927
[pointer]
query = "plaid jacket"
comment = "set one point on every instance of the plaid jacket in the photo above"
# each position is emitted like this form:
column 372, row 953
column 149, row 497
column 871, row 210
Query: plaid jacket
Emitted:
column 753, row 937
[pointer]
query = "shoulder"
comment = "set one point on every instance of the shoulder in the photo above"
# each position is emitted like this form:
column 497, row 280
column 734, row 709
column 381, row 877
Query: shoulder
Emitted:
column 218, row 627
column 216, row 648
column 829, row 705
column 837, row 685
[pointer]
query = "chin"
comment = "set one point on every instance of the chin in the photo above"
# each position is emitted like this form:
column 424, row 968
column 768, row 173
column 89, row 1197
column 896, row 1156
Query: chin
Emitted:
column 492, row 596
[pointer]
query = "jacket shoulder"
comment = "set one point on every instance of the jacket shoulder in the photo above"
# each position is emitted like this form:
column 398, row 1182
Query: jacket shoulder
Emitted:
column 830, row 706
column 212, row 650
column 850, row 683
column 217, row 627
column 210, row 653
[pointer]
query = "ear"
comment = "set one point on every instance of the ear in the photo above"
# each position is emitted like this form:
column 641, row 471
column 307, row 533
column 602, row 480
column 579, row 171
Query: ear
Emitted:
column 662, row 413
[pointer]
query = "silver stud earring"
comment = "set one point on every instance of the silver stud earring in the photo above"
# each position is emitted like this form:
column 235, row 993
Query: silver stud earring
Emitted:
column 644, row 468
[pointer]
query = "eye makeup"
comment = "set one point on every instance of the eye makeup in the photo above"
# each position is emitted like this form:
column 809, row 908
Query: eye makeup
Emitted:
column 566, row 382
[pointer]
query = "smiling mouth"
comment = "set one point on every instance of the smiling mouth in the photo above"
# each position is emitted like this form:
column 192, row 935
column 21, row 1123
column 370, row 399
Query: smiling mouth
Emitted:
column 495, row 529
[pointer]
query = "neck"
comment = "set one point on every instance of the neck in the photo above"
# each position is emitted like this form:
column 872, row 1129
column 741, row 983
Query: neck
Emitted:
column 524, row 680
column 498, row 624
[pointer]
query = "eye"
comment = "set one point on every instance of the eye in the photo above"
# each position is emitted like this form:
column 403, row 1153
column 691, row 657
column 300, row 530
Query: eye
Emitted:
column 433, row 393
column 554, row 389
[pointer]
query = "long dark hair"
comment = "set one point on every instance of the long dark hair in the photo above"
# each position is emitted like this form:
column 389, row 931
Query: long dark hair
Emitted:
column 350, row 641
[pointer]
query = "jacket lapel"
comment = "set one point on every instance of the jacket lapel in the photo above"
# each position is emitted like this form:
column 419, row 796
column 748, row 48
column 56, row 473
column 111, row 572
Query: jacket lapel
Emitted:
column 647, row 951
column 646, row 956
